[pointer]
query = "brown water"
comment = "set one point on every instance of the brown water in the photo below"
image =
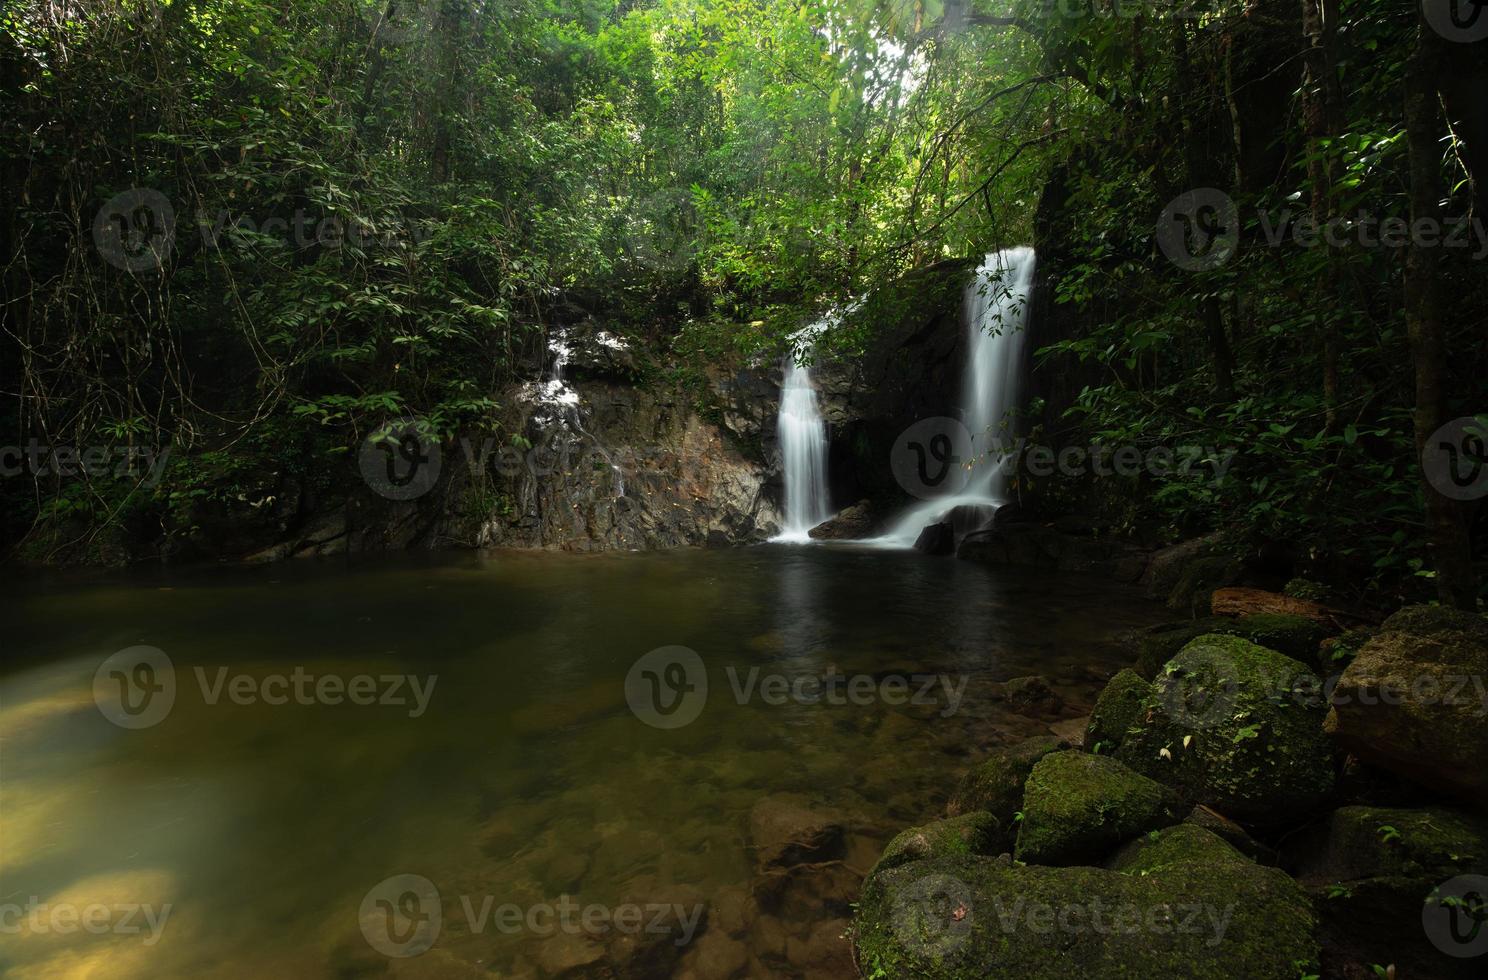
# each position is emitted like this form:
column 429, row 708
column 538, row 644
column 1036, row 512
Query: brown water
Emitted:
column 527, row 776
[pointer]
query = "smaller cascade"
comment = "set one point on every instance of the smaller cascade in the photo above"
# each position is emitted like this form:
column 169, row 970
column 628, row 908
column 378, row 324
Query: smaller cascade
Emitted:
column 558, row 401
column 803, row 443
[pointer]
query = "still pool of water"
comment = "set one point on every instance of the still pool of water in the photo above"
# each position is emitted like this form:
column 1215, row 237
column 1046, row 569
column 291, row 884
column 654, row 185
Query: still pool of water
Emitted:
column 241, row 838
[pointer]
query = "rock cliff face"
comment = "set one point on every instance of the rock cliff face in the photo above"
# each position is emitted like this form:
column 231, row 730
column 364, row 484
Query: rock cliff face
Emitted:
column 603, row 459
column 907, row 368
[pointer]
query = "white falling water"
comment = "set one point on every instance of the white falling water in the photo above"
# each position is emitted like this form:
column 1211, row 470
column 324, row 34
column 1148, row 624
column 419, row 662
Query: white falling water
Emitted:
column 803, row 445
column 996, row 313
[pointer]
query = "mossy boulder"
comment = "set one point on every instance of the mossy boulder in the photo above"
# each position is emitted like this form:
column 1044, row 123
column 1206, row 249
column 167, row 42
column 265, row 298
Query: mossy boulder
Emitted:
column 1199, row 580
column 1077, row 808
column 1414, row 700
column 1296, row 636
column 1161, row 643
column 1116, row 711
column 1372, row 872
column 996, row 784
column 977, row 832
column 1181, row 904
column 1238, row 728
column 1371, row 842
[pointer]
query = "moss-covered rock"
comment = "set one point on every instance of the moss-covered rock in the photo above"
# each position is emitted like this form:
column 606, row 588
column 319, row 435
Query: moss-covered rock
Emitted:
column 1371, row 870
column 977, row 832
column 1079, row 807
column 1161, row 643
column 1238, row 728
column 1199, row 580
column 1414, row 700
column 1116, row 710
column 1232, row 834
column 996, row 784
column 1296, row 636
column 1181, row 904
column 1372, row 842
column 1429, row 621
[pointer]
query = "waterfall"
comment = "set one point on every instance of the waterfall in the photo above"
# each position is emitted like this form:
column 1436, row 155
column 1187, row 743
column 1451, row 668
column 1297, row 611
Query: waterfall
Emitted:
column 803, row 444
column 558, row 401
column 996, row 313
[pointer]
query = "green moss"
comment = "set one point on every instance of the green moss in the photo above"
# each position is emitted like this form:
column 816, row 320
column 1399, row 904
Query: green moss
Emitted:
column 1296, row 636
column 1199, row 580
column 1078, row 807
column 1237, row 727
column 1433, row 844
column 978, row 832
column 1189, row 907
column 1116, row 711
column 996, row 785
column 1432, row 620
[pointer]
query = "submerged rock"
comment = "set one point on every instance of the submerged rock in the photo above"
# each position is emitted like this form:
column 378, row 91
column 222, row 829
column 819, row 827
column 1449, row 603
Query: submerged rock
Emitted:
column 1414, row 700
column 1036, row 545
column 996, row 785
column 1238, row 728
column 1116, row 711
column 787, row 830
column 1078, row 807
column 1183, row 904
column 1032, row 696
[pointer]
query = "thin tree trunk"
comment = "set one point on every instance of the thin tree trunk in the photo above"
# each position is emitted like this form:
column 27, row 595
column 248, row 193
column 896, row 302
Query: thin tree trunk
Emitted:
column 1322, row 107
column 1445, row 521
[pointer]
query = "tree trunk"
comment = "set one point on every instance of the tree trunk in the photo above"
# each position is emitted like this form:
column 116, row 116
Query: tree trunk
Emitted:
column 1322, row 108
column 1446, row 524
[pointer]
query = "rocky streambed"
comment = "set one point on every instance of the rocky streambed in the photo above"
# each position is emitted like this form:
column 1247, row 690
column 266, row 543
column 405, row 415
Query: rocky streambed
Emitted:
column 1259, row 796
